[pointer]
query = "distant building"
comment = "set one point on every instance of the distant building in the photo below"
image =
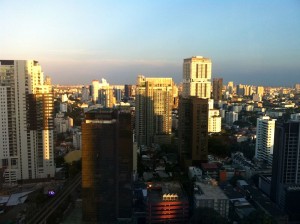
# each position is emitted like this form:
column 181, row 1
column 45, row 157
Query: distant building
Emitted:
column 214, row 121
column 153, row 110
column 77, row 140
column 107, row 148
column 231, row 117
column 62, row 124
column 128, row 91
column 166, row 203
column 197, row 77
column 217, row 89
column 265, row 131
column 106, row 97
column 260, row 90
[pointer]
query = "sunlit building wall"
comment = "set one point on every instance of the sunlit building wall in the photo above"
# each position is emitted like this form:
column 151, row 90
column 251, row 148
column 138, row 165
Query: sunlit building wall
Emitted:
column 265, row 131
column 27, row 126
column 153, row 109
column 197, row 77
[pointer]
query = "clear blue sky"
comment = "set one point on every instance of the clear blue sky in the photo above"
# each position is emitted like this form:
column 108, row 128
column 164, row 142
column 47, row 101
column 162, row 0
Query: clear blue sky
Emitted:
column 76, row 41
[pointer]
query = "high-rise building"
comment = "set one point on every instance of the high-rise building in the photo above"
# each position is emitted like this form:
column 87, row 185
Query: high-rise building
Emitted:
column 106, row 97
column 217, row 89
column 260, row 90
column 214, row 121
column 107, row 148
column 265, row 131
column 26, row 121
column 230, row 87
column 153, row 110
column 231, row 117
column 285, row 186
column 193, row 131
column 96, row 85
column 128, row 91
column 197, row 77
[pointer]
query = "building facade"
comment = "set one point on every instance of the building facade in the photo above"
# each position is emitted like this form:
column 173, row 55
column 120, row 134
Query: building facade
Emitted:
column 107, row 152
column 197, row 77
column 26, row 121
column 193, row 131
column 153, row 109
column 217, row 89
column 285, row 183
column 166, row 203
column 265, row 132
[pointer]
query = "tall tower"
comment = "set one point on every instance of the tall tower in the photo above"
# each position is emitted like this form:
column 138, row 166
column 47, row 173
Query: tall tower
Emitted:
column 193, row 111
column 106, row 166
column 217, row 89
column 193, row 131
column 154, row 102
column 26, row 124
column 265, row 131
column 285, row 187
column 197, row 77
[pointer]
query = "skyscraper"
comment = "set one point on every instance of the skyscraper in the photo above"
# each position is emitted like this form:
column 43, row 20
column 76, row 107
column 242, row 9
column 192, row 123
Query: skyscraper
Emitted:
column 26, row 121
column 265, row 131
column 217, row 89
column 106, row 166
column 285, row 188
column 193, row 131
column 193, row 111
column 197, row 77
column 154, row 102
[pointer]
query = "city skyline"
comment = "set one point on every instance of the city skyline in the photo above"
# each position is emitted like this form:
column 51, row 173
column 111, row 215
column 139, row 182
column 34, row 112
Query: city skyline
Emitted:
column 248, row 42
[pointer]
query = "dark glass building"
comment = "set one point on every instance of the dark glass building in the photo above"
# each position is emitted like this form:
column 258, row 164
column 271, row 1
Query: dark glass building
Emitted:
column 106, row 166
column 285, row 185
column 193, row 131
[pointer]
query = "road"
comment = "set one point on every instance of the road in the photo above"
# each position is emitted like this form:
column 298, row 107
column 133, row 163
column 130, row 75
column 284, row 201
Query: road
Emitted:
column 49, row 208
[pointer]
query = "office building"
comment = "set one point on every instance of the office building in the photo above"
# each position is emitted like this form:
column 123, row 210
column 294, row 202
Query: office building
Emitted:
column 214, row 121
column 285, row 184
column 193, row 131
column 231, row 117
column 209, row 195
column 230, row 87
column 95, row 87
column 106, row 97
column 197, row 77
column 217, row 89
column 107, row 148
column 153, row 110
column 26, row 121
column 260, row 90
column 166, row 203
column 265, row 131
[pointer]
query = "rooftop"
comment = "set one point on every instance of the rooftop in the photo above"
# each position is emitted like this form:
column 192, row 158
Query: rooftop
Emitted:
column 156, row 191
column 208, row 191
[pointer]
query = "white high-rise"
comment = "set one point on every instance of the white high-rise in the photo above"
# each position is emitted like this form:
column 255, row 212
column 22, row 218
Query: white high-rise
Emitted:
column 26, row 121
column 197, row 77
column 265, row 131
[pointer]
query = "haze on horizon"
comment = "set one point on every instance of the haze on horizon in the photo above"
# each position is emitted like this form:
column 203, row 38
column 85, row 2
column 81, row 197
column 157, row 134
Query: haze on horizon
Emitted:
column 250, row 42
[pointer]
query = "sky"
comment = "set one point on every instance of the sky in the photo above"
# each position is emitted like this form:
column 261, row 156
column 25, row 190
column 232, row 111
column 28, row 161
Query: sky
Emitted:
column 76, row 41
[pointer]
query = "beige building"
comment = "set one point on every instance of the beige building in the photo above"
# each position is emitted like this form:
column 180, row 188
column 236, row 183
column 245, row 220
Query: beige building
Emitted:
column 154, row 102
column 197, row 77
column 26, row 121
column 214, row 121
column 265, row 133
